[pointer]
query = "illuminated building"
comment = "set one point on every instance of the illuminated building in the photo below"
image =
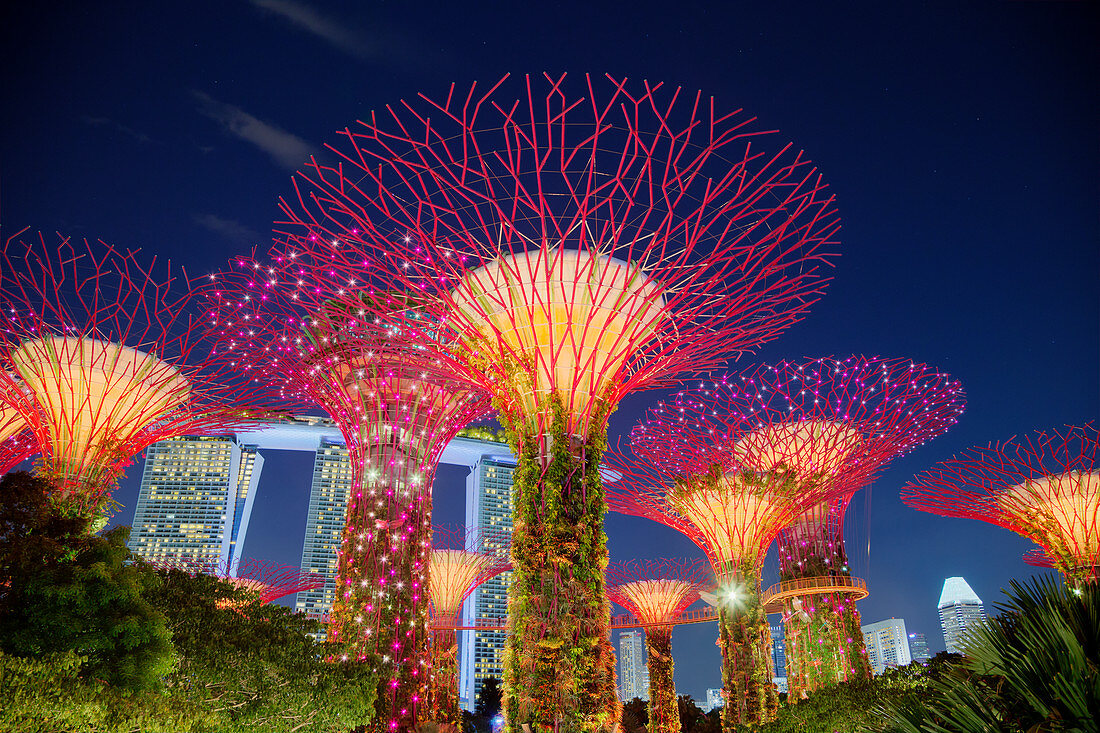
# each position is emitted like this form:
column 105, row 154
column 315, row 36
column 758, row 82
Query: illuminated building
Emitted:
column 489, row 509
column 633, row 671
column 918, row 647
column 960, row 610
column 195, row 500
column 779, row 657
column 887, row 644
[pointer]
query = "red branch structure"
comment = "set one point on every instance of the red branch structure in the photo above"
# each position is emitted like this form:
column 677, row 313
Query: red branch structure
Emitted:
column 15, row 444
column 262, row 581
column 99, row 360
column 580, row 242
column 458, row 567
column 397, row 405
column 657, row 592
column 1045, row 487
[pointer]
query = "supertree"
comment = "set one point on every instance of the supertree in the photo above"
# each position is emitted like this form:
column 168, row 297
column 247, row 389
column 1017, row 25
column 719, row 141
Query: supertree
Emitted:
column 397, row 405
column 1045, row 487
column 462, row 559
column 99, row 360
column 657, row 592
column 844, row 418
column 579, row 247
column 260, row 581
column 14, row 446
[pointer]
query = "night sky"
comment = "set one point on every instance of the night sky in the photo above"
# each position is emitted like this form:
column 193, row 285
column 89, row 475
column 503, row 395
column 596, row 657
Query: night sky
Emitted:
column 960, row 139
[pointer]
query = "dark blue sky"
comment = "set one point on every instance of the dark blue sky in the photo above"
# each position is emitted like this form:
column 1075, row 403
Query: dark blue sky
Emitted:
column 961, row 140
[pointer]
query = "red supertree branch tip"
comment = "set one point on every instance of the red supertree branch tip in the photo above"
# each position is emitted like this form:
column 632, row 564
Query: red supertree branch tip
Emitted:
column 98, row 359
column 656, row 592
column 1045, row 487
column 578, row 244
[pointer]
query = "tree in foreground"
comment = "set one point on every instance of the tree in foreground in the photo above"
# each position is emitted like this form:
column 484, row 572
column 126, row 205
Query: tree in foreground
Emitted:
column 685, row 474
column 845, row 418
column 397, row 405
column 1033, row 667
column 462, row 559
column 657, row 592
column 99, row 360
column 64, row 589
column 579, row 247
column 1045, row 487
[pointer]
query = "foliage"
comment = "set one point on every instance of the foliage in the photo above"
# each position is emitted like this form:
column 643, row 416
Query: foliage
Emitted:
column 635, row 716
column 849, row 707
column 559, row 664
column 255, row 665
column 694, row 720
column 1035, row 667
column 745, row 640
column 663, row 711
column 66, row 590
column 489, row 700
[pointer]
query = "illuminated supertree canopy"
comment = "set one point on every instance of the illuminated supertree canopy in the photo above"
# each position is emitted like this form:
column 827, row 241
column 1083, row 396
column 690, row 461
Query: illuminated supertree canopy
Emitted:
column 1045, row 487
column 657, row 592
column 261, row 582
column 397, row 405
column 14, row 445
column 99, row 360
column 845, row 419
column 462, row 559
column 579, row 246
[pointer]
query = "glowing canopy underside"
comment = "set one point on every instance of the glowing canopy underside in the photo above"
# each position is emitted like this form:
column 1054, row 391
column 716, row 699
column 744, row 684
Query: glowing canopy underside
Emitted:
column 656, row 601
column 571, row 320
column 454, row 575
column 95, row 395
column 807, row 447
column 1060, row 512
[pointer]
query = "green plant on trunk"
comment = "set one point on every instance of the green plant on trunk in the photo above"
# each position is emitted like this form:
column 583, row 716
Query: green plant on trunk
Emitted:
column 664, row 715
column 745, row 639
column 559, row 664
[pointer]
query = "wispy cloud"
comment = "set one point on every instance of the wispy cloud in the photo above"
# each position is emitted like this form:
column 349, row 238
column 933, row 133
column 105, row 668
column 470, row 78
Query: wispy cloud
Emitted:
column 286, row 149
column 310, row 20
column 381, row 45
column 232, row 230
column 108, row 123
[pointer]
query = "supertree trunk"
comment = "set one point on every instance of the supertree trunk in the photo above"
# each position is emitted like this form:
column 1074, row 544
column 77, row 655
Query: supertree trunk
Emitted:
column 824, row 643
column 380, row 612
column 747, row 687
column 445, row 677
column 559, row 667
column 664, row 711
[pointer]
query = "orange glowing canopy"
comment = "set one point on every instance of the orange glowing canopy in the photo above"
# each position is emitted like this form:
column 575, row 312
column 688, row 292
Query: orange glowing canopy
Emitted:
column 454, row 575
column 1061, row 512
column 807, row 447
column 571, row 319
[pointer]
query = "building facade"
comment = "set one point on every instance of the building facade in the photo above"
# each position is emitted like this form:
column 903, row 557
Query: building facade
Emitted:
column 960, row 610
column 779, row 656
column 714, row 698
column 887, row 644
column 489, row 508
column 918, row 647
column 195, row 500
column 328, row 507
column 633, row 670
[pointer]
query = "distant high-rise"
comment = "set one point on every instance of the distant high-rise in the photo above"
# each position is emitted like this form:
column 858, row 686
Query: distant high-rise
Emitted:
column 887, row 644
column 328, row 505
column 918, row 647
column 779, row 656
column 195, row 500
column 714, row 698
column 489, row 508
column 960, row 611
column 633, row 670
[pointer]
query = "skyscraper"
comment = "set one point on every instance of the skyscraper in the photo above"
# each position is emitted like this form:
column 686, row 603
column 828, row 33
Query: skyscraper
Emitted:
column 960, row 611
column 779, row 656
column 714, row 698
column 633, row 670
column 195, row 500
column 488, row 507
column 887, row 644
column 328, row 502
column 918, row 647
